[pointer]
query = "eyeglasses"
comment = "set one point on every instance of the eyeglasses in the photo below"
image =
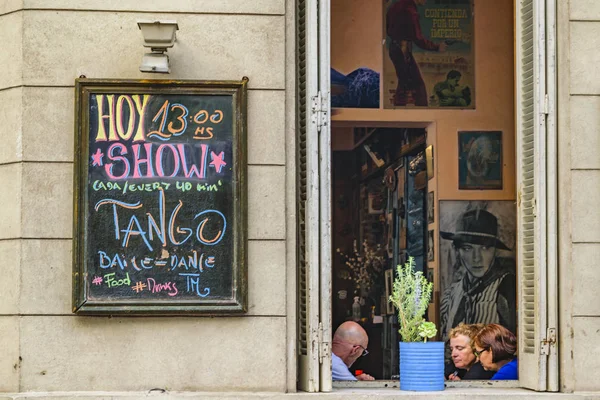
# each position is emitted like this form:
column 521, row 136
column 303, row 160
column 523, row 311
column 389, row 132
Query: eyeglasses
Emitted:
column 478, row 353
column 365, row 351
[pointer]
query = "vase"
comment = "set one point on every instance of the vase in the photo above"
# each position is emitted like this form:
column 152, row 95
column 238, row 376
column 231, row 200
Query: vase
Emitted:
column 422, row 366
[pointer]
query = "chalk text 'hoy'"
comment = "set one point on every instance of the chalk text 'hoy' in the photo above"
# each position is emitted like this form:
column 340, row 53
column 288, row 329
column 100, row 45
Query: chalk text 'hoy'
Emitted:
column 122, row 116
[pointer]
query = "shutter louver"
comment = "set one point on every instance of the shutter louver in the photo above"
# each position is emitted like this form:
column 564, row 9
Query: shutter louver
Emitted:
column 301, row 183
column 527, row 186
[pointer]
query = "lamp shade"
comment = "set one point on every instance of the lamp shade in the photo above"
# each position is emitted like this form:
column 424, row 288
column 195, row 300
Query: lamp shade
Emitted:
column 158, row 35
column 155, row 62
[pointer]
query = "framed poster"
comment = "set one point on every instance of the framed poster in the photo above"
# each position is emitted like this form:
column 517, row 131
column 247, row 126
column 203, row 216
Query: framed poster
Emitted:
column 430, row 247
column 160, row 210
column 428, row 54
column 479, row 160
column 429, row 160
column 430, row 208
column 477, row 263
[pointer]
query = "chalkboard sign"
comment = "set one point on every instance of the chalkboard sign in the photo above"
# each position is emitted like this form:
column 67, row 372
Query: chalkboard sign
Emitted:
column 160, row 197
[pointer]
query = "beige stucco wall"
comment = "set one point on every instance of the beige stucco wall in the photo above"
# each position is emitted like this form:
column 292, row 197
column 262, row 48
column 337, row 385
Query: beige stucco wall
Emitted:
column 43, row 347
column 579, row 193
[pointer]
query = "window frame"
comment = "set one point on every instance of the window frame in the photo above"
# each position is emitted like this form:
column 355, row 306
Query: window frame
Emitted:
column 545, row 42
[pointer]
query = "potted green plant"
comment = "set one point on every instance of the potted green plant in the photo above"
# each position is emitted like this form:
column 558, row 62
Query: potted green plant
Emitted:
column 421, row 362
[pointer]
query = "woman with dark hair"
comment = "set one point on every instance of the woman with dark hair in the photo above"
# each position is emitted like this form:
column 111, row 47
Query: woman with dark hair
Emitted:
column 496, row 348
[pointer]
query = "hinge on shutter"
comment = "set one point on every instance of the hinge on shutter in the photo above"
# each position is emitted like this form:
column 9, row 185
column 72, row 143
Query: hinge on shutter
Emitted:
column 319, row 110
column 546, row 105
column 549, row 340
column 324, row 346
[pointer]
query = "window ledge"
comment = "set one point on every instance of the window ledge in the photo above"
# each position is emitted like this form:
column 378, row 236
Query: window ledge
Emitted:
column 455, row 393
column 356, row 393
column 382, row 384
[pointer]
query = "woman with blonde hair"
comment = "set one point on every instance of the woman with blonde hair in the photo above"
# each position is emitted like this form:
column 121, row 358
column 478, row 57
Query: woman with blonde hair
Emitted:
column 464, row 361
column 496, row 349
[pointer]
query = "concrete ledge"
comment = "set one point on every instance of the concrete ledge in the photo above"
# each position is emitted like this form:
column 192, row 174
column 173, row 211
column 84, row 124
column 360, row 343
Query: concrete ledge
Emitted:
column 206, row 6
column 71, row 354
column 341, row 394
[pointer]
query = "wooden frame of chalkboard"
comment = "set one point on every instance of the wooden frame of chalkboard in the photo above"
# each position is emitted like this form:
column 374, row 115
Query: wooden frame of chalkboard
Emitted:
column 160, row 197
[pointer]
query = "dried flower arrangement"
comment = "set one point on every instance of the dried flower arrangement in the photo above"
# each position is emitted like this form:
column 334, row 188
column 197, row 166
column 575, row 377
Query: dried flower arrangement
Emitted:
column 363, row 267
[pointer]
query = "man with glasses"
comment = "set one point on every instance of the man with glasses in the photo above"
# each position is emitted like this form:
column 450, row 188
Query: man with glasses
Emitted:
column 349, row 343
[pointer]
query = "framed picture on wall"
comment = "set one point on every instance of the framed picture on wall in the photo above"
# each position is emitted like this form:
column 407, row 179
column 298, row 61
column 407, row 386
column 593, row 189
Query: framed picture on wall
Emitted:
column 479, row 160
column 437, row 71
column 476, row 239
column 430, row 208
column 430, row 246
column 429, row 159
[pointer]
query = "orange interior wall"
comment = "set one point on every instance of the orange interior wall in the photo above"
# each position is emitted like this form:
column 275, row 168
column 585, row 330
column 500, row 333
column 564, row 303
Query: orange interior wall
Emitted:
column 356, row 35
column 356, row 41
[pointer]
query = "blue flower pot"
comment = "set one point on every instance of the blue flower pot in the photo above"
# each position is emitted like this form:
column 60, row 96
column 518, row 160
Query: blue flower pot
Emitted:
column 422, row 366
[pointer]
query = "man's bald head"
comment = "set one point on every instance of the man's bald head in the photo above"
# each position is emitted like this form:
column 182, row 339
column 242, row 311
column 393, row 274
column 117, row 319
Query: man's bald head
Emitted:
column 349, row 341
column 352, row 332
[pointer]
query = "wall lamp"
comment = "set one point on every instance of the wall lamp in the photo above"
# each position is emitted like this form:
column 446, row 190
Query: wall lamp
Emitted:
column 159, row 36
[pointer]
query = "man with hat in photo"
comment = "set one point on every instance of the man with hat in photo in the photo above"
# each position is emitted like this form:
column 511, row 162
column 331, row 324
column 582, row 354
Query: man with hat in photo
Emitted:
column 487, row 291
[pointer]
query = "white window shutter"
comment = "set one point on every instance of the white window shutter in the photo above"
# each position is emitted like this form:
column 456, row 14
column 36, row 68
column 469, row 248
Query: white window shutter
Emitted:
column 325, row 246
column 536, row 183
column 313, row 197
column 308, row 202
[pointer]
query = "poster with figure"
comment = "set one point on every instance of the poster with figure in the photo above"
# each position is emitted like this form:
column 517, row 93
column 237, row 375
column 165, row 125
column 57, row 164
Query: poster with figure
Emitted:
column 480, row 160
column 430, row 247
column 477, row 263
column 430, row 208
column 428, row 54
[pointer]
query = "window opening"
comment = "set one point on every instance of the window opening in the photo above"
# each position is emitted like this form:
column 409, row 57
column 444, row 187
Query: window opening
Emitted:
column 353, row 49
column 379, row 218
column 465, row 240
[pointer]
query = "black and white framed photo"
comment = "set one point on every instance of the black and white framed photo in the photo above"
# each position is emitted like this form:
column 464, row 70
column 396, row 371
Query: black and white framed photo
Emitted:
column 430, row 247
column 430, row 208
column 477, row 263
